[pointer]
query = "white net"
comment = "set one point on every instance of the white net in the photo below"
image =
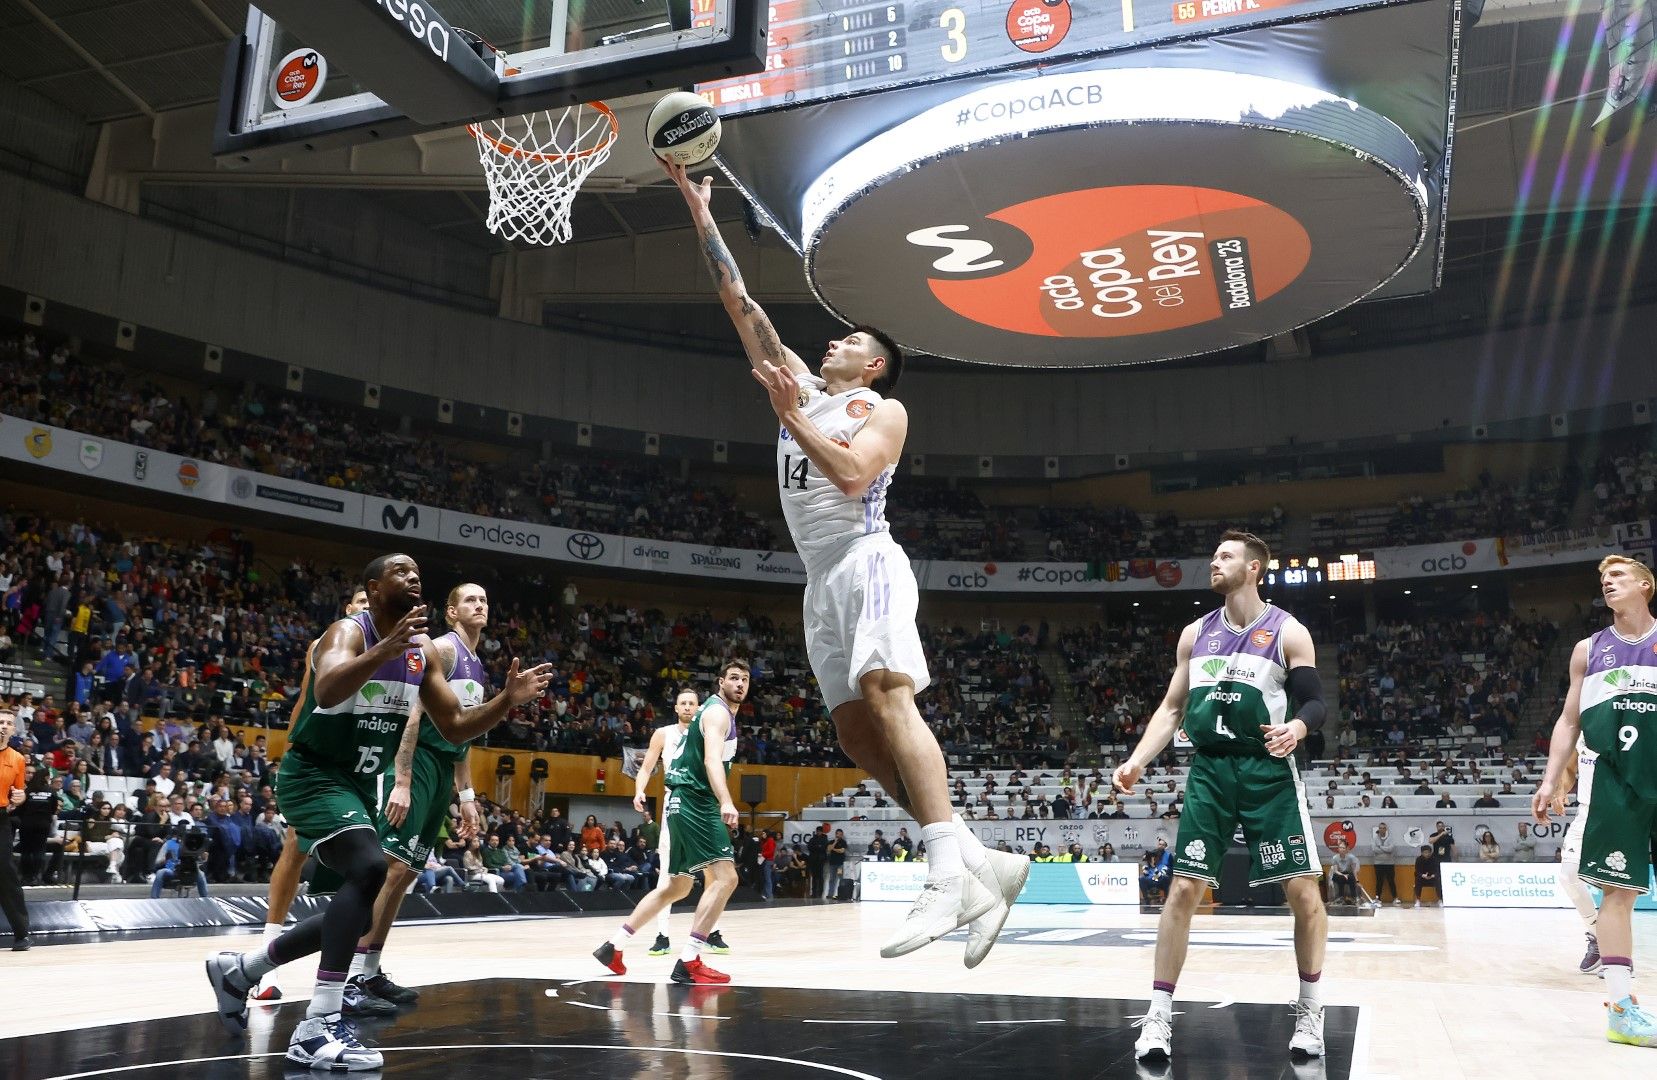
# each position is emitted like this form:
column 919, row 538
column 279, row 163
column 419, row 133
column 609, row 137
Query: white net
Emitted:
column 534, row 164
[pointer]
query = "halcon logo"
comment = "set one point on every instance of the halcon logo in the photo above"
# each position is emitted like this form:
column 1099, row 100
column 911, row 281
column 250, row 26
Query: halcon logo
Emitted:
column 965, row 256
column 423, row 23
column 585, row 546
column 400, row 520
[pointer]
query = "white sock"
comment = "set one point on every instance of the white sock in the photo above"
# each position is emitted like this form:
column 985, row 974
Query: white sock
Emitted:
column 1619, row 981
column 359, row 960
column 1311, row 993
column 661, row 921
column 943, row 849
column 621, row 937
column 1162, row 1003
column 326, row 999
column 273, row 930
column 972, row 848
column 257, row 964
column 371, row 962
column 693, row 948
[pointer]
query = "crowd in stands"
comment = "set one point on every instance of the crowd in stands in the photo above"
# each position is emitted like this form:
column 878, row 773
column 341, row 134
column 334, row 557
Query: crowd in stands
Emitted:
column 1440, row 676
column 360, row 449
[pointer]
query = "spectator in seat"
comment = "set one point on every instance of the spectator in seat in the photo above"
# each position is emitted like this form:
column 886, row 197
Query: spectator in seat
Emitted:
column 622, row 871
column 1485, row 801
column 582, row 878
column 1155, row 868
column 1343, row 874
column 437, row 874
column 1489, row 850
column 1426, row 874
column 1444, row 801
column 477, row 870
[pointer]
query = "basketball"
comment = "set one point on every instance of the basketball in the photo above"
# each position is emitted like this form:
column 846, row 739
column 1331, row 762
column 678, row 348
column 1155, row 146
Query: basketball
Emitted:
column 683, row 129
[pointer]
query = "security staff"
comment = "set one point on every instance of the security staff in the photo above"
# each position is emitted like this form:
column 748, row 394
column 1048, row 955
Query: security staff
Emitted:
column 11, row 797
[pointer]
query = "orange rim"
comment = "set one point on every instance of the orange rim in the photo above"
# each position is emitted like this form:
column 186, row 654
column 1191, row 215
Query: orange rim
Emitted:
column 575, row 155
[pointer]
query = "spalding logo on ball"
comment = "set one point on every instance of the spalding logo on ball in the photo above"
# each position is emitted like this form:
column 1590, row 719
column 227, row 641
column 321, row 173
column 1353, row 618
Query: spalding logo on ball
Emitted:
column 683, row 129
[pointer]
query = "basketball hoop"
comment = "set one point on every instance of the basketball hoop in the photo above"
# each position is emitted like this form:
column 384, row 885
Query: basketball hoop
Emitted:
column 534, row 164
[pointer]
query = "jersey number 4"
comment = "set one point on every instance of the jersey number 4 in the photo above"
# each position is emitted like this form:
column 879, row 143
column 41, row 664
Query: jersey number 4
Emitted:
column 1221, row 729
column 794, row 475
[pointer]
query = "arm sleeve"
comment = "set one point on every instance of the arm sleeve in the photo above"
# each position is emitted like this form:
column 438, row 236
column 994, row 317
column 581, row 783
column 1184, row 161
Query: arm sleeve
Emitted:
column 1306, row 688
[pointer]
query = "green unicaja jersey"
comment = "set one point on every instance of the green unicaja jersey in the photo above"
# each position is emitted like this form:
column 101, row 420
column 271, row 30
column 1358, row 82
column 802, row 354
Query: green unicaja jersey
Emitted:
column 1619, row 707
column 1236, row 683
column 687, row 772
column 360, row 734
column 467, row 680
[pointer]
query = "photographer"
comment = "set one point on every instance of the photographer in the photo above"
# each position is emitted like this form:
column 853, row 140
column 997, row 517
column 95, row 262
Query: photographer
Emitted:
column 181, row 859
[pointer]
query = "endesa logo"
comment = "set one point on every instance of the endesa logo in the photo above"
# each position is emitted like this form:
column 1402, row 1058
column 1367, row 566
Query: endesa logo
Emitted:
column 496, row 534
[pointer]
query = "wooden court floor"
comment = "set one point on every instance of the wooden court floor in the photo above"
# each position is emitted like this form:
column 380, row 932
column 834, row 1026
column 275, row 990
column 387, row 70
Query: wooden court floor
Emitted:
column 1432, row 992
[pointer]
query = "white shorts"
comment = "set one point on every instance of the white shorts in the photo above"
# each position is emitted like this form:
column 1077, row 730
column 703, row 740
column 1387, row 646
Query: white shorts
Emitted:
column 860, row 617
column 1570, row 849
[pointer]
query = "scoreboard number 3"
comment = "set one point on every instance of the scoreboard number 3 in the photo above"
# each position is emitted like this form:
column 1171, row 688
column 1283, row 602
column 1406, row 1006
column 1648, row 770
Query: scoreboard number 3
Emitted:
column 954, row 24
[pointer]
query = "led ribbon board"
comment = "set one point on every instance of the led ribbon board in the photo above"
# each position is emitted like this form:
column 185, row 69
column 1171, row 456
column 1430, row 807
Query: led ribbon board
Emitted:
column 1114, row 216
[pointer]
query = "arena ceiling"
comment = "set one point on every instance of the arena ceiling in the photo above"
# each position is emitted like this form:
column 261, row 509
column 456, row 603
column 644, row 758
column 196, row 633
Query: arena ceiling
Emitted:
column 147, row 73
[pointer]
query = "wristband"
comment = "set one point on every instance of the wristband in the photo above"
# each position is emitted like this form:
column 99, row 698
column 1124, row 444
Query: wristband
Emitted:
column 467, row 795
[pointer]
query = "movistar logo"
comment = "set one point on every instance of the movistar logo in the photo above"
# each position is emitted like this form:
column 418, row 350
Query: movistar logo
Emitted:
column 1212, row 668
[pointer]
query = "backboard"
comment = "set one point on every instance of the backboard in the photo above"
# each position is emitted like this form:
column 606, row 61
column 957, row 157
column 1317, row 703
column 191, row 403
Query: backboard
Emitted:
column 311, row 74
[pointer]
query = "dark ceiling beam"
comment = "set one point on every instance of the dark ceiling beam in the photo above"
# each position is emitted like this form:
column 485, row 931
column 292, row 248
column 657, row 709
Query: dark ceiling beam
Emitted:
column 91, row 61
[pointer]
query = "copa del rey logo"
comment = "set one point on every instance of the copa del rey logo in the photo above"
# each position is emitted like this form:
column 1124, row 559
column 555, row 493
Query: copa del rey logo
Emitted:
column 1117, row 261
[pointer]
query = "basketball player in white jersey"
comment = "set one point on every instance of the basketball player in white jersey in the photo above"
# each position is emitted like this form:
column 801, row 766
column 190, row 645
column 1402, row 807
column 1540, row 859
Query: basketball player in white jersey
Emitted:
column 1580, row 771
column 664, row 747
column 284, row 876
column 838, row 445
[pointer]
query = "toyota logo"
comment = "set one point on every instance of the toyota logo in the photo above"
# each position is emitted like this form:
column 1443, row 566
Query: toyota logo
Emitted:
column 585, row 546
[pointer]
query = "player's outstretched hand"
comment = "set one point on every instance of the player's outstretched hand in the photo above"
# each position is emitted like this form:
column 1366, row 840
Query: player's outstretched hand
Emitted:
column 526, row 685
column 1125, row 777
column 728, row 814
column 409, row 627
column 1545, row 800
column 780, row 385
column 698, row 195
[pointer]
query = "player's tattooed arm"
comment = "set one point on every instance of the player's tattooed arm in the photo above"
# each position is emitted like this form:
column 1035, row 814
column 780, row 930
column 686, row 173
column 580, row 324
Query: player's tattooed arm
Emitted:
column 722, row 267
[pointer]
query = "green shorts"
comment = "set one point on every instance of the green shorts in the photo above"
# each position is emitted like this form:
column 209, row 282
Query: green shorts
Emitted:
column 1618, row 841
column 322, row 801
column 429, row 790
column 1265, row 795
column 698, row 835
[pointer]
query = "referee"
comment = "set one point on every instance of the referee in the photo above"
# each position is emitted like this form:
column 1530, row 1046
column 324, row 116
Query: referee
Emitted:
column 11, row 797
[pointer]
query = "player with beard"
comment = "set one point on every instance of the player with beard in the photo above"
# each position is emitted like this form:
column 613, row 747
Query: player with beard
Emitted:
column 284, row 876
column 700, row 816
column 1235, row 671
column 1612, row 704
column 840, row 438
column 413, row 813
column 361, row 681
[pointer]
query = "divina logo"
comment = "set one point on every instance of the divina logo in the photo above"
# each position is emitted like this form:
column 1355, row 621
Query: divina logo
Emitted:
column 400, row 520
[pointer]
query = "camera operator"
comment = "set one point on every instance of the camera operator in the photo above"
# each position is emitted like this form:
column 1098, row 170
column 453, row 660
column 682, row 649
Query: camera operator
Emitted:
column 182, row 857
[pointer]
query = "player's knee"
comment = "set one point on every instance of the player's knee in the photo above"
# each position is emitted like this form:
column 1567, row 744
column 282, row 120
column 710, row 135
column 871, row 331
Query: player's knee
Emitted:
column 1185, row 892
column 679, row 887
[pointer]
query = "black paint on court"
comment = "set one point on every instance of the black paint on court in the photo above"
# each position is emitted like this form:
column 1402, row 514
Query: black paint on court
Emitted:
column 510, row 1029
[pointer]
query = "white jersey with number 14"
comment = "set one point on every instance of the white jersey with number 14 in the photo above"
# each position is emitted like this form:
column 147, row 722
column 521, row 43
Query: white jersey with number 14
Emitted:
column 821, row 518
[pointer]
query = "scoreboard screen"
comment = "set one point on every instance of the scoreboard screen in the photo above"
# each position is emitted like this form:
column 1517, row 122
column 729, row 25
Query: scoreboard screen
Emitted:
column 820, row 49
